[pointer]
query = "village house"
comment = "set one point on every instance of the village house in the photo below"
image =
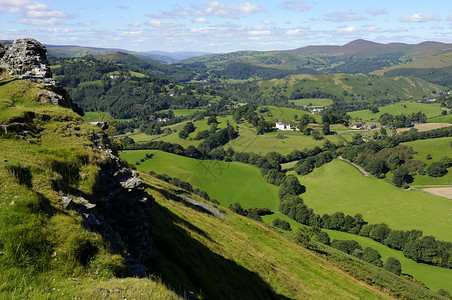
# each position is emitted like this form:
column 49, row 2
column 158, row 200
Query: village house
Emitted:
column 282, row 126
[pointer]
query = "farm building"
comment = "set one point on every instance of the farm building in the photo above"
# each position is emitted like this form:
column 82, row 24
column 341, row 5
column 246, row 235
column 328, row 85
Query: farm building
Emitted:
column 282, row 126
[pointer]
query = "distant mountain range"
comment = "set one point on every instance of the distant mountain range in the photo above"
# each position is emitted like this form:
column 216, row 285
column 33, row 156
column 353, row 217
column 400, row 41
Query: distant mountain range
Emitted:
column 55, row 51
column 359, row 56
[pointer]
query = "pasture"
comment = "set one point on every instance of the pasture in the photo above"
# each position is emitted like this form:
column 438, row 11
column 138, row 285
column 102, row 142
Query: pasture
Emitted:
column 312, row 102
column 437, row 148
column 434, row 277
column 285, row 113
column 339, row 187
column 441, row 119
column 227, row 182
column 248, row 141
column 403, row 107
column 184, row 112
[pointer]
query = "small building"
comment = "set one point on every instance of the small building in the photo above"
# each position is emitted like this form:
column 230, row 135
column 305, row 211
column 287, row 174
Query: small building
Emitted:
column 357, row 126
column 282, row 126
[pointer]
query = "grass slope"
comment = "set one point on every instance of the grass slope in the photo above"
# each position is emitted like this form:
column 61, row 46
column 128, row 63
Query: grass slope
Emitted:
column 405, row 107
column 339, row 187
column 248, row 141
column 244, row 259
column 434, row 277
column 371, row 88
column 285, row 114
column 227, row 182
column 41, row 244
column 437, row 148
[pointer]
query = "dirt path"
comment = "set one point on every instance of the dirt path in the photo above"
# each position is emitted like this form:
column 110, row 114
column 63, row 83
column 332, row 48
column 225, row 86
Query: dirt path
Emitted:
column 355, row 165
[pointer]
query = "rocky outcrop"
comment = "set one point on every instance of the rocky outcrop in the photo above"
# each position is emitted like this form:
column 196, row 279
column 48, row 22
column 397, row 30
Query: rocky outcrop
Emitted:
column 120, row 212
column 27, row 59
column 2, row 50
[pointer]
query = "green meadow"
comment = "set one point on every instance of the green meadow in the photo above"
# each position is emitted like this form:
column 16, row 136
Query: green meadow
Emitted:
column 285, row 113
column 437, row 148
column 434, row 277
column 312, row 102
column 403, row 107
column 339, row 187
column 441, row 119
column 227, row 182
column 174, row 136
column 248, row 141
column 184, row 112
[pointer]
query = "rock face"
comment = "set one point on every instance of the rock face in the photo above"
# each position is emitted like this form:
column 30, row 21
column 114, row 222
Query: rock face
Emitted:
column 27, row 58
column 120, row 212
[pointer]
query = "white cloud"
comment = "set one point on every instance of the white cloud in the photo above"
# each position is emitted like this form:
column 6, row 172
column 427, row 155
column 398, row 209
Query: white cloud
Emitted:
column 200, row 20
column 347, row 30
column 295, row 5
column 376, row 11
column 449, row 19
column 292, row 32
column 268, row 22
column 160, row 23
column 342, row 16
column 214, row 8
column 33, row 13
column 420, row 18
column 134, row 25
column 259, row 32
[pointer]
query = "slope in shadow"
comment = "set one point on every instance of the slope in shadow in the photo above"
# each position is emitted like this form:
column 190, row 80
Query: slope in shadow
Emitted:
column 186, row 265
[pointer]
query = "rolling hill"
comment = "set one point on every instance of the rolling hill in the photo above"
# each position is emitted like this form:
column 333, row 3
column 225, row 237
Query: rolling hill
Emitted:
column 358, row 56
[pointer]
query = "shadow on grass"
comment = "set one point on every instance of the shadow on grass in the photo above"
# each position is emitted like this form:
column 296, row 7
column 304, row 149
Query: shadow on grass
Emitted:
column 186, row 265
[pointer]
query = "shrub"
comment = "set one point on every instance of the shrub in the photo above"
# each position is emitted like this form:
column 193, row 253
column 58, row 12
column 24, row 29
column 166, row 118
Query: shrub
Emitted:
column 436, row 169
column 281, row 224
column 393, row 265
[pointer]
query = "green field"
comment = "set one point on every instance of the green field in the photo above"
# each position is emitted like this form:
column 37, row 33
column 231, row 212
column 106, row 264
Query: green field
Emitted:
column 312, row 102
column 285, row 114
column 94, row 116
column 441, row 119
column 184, row 112
column 339, row 187
column 248, row 141
column 437, row 148
column 174, row 136
column 403, row 107
column 434, row 277
column 227, row 182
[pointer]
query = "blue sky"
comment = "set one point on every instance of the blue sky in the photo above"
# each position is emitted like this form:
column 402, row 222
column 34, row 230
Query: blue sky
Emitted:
column 224, row 26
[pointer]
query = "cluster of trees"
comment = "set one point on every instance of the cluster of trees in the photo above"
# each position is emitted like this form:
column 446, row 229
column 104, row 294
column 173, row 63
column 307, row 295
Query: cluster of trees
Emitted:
column 92, row 84
column 381, row 156
column 188, row 128
column 184, row 185
column 402, row 120
column 246, row 71
column 252, row 212
column 320, row 157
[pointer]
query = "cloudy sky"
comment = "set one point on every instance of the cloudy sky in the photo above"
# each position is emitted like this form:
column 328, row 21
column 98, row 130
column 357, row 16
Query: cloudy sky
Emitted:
column 225, row 25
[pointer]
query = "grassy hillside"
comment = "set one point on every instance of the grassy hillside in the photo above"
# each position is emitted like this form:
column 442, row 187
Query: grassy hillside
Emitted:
column 285, row 114
column 437, row 148
column 244, row 183
column 352, row 87
column 48, row 152
column 434, row 277
column 404, row 107
column 338, row 186
column 243, row 259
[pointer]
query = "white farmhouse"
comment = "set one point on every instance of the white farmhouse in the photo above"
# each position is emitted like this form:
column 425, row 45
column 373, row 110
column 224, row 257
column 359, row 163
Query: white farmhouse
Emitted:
column 282, row 126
